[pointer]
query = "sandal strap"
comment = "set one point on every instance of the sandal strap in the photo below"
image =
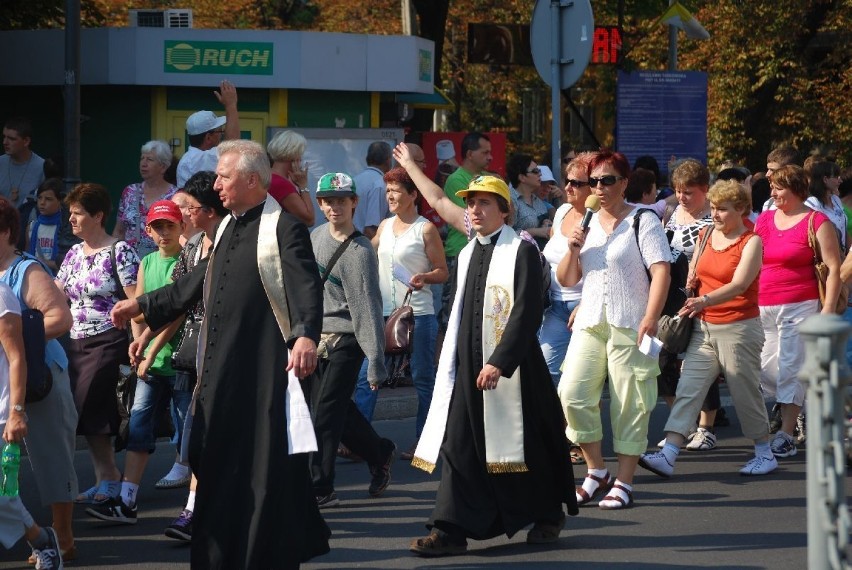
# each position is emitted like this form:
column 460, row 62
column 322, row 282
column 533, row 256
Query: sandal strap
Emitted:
column 615, row 498
column 600, row 481
column 627, row 492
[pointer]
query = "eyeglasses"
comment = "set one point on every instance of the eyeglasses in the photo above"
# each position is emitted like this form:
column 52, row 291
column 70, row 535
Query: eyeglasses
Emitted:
column 607, row 180
column 217, row 131
column 535, row 170
column 192, row 209
column 576, row 183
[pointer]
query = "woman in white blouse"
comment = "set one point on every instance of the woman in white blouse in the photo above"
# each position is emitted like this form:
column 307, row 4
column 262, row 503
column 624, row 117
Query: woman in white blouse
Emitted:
column 409, row 248
column 625, row 281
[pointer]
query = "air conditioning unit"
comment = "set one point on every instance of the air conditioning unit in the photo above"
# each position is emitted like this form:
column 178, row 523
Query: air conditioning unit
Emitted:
column 179, row 18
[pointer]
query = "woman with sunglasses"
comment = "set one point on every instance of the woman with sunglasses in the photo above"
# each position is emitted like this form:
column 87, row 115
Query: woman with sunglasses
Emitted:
column 554, row 334
column 531, row 212
column 625, row 281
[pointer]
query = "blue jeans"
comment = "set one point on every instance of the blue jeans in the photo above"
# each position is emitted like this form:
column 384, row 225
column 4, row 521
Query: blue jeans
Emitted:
column 422, row 373
column 150, row 398
column 554, row 336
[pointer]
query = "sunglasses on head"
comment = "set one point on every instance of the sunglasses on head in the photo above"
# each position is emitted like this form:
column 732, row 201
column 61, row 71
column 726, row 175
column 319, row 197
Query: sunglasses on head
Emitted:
column 607, row 180
column 576, row 183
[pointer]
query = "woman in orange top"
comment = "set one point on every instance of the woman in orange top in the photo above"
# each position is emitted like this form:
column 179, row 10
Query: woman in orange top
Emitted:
column 727, row 335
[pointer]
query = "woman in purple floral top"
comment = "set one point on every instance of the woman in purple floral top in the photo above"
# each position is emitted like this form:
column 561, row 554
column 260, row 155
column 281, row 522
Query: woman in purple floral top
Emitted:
column 138, row 197
column 96, row 348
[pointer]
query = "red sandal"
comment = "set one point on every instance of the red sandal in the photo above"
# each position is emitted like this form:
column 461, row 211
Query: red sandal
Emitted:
column 622, row 503
column 604, row 485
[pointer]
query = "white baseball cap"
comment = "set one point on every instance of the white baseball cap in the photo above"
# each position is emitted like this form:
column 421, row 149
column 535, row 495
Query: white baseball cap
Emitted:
column 203, row 121
column 546, row 173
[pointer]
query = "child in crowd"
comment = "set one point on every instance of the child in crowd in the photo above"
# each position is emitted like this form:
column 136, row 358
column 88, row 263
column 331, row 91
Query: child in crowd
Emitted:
column 156, row 377
column 44, row 231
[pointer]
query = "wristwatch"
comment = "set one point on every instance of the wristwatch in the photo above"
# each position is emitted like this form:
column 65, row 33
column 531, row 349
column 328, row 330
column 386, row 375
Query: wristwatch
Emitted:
column 18, row 408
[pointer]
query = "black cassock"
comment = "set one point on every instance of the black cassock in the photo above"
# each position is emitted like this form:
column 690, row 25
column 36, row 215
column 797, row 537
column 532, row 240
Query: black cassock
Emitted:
column 487, row 505
column 255, row 506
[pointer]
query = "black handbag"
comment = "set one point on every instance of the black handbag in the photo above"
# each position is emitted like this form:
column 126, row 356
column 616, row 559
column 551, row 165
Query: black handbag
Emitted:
column 183, row 357
column 676, row 331
column 399, row 328
column 39, row 377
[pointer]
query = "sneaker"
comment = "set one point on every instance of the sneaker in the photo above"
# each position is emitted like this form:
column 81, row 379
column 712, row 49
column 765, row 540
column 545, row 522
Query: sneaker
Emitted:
column 801, row 426
column 704, row 440
column 113, row 510
column 759, row 466
column 783, row 445
column 775, row 419
column 181, row 527
column 657, row 463
column 49, row 557
column 328, row 501
column 382, row 473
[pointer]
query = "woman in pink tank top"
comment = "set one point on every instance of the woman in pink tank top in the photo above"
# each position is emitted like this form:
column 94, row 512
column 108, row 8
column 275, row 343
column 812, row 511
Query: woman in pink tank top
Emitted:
column 788, row 292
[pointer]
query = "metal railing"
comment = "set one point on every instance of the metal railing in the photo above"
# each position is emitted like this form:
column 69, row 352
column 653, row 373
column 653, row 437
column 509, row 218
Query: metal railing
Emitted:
column 829, row 429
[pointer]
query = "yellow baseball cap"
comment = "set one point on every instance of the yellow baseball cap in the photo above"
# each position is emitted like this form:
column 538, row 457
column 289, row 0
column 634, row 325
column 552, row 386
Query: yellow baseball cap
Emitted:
column 491, row 184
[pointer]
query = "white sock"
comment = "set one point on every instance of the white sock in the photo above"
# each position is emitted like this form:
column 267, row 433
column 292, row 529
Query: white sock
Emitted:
column 190, row 501
column 590, row 485
column 671, row 451
column 128, row 493
column 178, row 471
column 617, row 492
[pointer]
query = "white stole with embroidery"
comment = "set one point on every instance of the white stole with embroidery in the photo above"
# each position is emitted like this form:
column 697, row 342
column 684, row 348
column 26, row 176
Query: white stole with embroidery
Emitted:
column 502, row 410
column 301, row 437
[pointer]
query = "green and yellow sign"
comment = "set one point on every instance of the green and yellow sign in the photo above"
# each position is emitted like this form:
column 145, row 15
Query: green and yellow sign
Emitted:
column 243, row 58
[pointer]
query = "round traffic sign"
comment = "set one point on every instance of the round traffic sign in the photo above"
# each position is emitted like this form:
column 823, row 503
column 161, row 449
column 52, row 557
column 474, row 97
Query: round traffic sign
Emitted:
column 575, row 32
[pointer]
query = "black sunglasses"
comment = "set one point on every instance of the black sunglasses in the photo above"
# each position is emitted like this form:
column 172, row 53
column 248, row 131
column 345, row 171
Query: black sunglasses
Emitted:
column 607, row 180
column 535, row 170
column 576, row 183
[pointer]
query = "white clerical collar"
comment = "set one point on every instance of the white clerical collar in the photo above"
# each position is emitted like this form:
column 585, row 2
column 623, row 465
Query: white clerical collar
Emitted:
column 485, row 240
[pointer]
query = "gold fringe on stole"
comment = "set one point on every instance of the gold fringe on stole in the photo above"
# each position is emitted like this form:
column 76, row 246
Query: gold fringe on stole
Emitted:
column 423, row 464
column 506, row 467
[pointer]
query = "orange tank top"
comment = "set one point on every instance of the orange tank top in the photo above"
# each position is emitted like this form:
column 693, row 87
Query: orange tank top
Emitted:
column 715, row 269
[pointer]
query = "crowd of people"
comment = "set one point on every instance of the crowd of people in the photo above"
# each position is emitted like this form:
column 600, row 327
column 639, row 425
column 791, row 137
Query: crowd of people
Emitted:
column 529, row 299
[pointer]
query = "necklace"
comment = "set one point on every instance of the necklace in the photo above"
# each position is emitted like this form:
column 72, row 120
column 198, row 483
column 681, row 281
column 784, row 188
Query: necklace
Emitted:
column 15, row 188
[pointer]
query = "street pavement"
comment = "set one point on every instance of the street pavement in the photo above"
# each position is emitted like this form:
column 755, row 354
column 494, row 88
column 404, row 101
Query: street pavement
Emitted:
column 706, row 516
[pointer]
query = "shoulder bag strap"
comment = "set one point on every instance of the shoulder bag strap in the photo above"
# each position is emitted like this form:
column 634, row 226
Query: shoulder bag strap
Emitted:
column 340, row 249
column 812, row 239
column 702, row 243
column 637, row 218
column 119, row 290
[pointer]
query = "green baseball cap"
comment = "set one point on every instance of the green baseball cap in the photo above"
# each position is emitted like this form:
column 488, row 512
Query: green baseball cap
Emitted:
column 335, row 185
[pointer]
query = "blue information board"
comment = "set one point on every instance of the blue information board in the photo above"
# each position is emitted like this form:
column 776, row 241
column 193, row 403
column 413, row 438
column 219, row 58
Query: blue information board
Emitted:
column 662, row 114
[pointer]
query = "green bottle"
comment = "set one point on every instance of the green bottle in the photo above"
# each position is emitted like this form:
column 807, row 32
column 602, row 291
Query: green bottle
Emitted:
column 9, row 465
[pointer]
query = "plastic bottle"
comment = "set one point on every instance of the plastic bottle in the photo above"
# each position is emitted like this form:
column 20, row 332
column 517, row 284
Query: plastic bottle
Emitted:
column 9, row 465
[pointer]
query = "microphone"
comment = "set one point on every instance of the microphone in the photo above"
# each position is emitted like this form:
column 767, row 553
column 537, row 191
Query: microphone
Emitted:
column 593, row 204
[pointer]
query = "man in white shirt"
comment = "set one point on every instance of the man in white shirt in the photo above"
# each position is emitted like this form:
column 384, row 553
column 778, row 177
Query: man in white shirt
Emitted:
column 21, row 170
column 206, row 131
column 372, row 205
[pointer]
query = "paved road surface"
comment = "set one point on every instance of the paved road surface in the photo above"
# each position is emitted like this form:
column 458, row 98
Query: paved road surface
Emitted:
column 707, row 516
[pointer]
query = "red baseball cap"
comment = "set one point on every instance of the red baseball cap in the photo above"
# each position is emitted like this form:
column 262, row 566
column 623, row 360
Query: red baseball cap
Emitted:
column 164, row 210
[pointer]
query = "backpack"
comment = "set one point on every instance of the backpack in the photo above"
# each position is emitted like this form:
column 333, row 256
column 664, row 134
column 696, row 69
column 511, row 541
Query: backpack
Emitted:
column 545, row 269
column 677, row 294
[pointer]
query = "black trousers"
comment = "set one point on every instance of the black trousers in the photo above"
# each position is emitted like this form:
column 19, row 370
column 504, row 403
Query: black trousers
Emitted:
column 336, row 417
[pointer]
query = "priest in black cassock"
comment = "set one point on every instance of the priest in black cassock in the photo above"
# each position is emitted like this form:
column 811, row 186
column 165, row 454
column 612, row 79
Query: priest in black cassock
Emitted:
column 495, row 419
column 255, row 507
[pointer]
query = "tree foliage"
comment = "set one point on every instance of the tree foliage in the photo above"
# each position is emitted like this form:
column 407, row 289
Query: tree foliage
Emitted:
column 778, row 71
